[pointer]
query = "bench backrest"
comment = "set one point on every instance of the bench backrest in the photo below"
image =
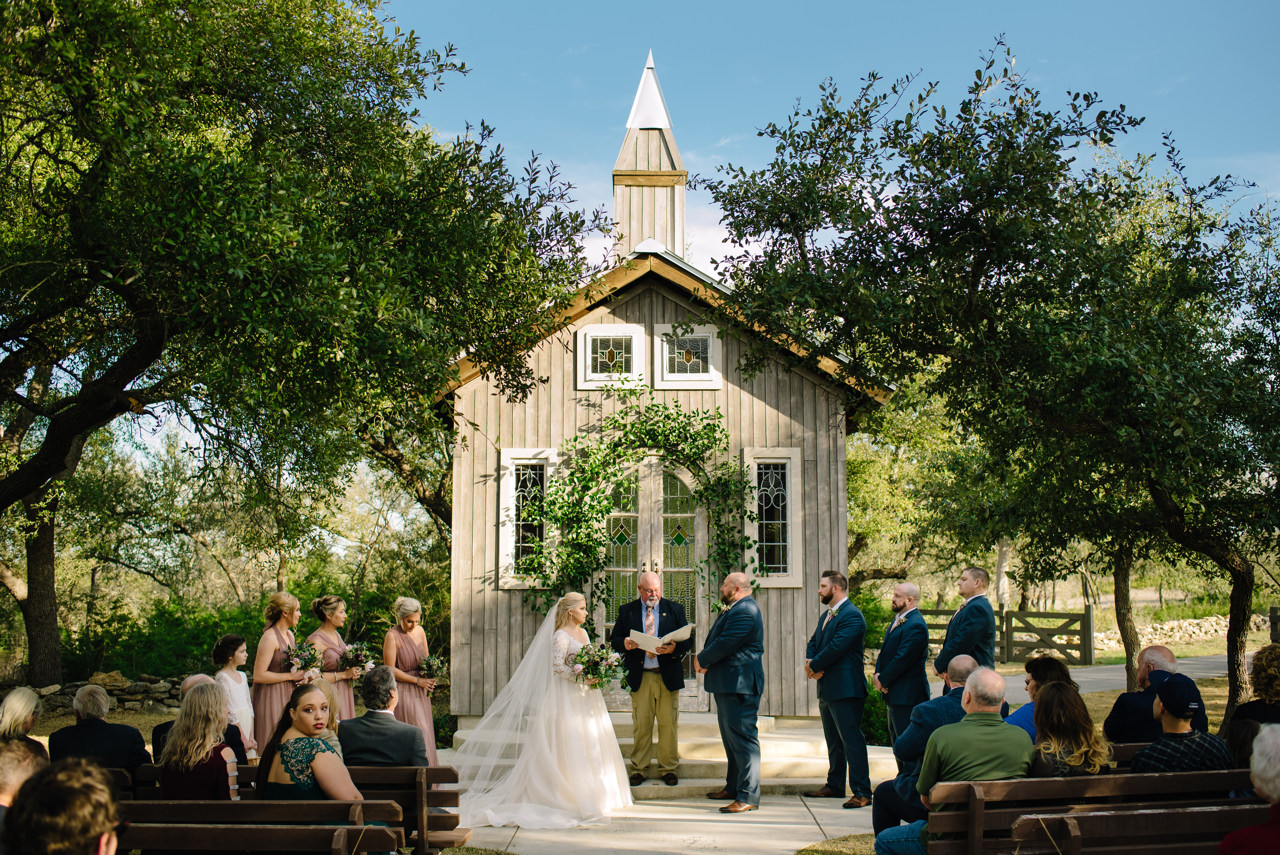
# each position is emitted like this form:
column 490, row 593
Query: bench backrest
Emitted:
column 259, row 838
column 262, row 812
column 1186, row 831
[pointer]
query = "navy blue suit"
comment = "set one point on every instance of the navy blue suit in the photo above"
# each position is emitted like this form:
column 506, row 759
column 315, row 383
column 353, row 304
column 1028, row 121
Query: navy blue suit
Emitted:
column 835, row 651
column 972, row 630
column 897, row 800
column 114, row 746
column 901, row 666
column 1130, row 719
column 733, row 659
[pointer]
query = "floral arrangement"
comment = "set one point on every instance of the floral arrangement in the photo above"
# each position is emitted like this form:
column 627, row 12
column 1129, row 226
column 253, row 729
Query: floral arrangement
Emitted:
column 597, row 665
column 304, row 657
column 359, row 655
column 434, row 668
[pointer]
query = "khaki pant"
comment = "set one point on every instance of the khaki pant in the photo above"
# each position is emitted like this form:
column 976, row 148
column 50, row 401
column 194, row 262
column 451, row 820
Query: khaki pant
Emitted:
column 654, row 700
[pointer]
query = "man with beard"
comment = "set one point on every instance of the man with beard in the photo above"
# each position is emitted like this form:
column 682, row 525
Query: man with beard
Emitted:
column 732, row 663
column 654, row 679
column 900, row 667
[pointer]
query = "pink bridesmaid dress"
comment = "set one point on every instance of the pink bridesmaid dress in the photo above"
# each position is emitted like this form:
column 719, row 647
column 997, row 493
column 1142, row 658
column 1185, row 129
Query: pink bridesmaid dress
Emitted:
column 333, row 649
column 270, row 699
column 414, row 706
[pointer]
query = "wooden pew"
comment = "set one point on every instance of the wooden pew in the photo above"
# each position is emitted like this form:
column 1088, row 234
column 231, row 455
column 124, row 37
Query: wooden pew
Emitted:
column 1122, row 753
column 260, row 838
column 980, row 814
column 413, row 788
column 1169, row 831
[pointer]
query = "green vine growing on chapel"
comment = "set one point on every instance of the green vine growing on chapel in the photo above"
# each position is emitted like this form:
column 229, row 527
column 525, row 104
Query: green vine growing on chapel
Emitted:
column 579, row 498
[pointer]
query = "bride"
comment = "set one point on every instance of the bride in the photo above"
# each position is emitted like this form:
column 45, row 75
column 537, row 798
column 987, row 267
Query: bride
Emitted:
column 545, row 754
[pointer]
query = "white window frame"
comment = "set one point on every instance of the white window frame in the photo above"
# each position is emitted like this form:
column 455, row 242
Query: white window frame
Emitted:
column 662, row 335
column 588, row 379
column 794, row 577
column 508, row 459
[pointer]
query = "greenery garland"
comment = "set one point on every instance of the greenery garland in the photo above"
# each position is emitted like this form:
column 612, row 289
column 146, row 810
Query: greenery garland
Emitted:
column 579, row 498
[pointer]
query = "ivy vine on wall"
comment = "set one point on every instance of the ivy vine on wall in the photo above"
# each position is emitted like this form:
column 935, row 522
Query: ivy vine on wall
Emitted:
column 579, row 498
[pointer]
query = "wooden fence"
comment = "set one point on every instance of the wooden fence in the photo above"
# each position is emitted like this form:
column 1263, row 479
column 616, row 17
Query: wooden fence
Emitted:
column 1067, row 634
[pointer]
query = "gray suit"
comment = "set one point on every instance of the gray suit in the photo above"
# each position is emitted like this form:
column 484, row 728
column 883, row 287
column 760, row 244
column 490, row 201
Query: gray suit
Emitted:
column 377, row 739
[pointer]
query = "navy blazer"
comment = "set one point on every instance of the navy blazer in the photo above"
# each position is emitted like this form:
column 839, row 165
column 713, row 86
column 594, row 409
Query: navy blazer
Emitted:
column 733, row 655
column 1130, row 719
column 901, row 663
column 925, row 719
column 972, row 630
column 836, row 650
column 670, row 618
column 379, row 739
column 115, row 746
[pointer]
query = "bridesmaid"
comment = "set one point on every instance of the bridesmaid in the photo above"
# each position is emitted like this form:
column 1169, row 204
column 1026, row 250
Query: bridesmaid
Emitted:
column 331, row 611
column 405, row 645
column 273, row 683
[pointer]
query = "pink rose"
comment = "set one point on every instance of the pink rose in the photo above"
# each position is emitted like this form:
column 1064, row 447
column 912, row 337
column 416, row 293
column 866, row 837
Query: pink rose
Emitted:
column 577, row 669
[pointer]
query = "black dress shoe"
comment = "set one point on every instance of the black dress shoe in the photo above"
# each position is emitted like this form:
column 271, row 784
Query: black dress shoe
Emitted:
column 824, row 793
column 636, row 779
column 720, row 795
column 670, row 779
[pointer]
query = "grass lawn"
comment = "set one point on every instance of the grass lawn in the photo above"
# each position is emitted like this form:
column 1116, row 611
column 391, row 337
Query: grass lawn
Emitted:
column 854, row 844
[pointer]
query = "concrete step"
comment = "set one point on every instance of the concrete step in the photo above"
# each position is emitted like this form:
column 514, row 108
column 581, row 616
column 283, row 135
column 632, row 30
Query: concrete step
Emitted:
column 771, row 746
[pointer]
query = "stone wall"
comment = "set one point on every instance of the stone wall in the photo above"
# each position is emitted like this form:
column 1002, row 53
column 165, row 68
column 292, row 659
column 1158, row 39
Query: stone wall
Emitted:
column 146, row 694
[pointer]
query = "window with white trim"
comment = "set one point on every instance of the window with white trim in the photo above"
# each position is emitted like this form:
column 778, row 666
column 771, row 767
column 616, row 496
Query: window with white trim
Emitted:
column 686, row 357
column 609, row 354
column 779, row 530
column 523, row 476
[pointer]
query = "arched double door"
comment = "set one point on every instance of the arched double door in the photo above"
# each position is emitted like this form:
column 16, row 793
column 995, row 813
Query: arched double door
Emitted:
column 655, row 525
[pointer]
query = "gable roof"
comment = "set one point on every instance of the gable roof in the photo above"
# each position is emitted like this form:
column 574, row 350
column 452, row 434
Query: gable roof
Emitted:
column 652, row 257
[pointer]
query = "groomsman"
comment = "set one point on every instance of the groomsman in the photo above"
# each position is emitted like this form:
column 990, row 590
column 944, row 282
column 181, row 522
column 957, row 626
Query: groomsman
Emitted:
column 732, row 663
column 972, row 629
column 834, row 659
column 655, row 681
column 900, row 667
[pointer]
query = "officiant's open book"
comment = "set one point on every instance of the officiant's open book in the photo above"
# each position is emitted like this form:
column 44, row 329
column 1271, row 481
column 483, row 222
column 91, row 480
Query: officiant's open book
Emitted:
column 651, row 643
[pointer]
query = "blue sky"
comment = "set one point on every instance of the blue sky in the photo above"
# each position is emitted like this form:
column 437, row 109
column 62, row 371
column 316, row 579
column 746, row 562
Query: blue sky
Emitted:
column 558, row 78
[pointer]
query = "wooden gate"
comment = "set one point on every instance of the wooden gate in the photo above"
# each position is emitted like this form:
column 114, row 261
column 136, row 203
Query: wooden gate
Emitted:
column 1068, row 634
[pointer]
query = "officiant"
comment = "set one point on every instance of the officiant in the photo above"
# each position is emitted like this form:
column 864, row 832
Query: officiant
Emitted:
column 655, row 679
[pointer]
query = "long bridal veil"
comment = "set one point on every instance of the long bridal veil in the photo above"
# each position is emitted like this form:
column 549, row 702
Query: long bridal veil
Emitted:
column 545, row 754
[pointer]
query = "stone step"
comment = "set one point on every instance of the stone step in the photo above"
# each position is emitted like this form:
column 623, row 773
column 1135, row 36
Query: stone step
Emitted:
column 771, row 746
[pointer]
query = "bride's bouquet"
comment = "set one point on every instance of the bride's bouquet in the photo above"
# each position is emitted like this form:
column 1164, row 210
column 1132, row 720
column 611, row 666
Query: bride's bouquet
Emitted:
column 597, row 666
column 306, row 658
column 358, row 655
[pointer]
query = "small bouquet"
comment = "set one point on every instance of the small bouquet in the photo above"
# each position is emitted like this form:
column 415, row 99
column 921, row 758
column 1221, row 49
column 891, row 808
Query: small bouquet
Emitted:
column 359, row 656
column 434, row 668
column 597, row 666
column 306, row 658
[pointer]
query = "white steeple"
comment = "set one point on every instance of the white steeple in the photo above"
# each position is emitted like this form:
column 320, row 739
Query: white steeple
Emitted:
column 649, row 177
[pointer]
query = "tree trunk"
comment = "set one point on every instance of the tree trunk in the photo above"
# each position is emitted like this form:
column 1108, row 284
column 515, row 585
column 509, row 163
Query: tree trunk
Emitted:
column 1003, row 552
column 1024, row 596
column 1121, row 568
column 40, row 609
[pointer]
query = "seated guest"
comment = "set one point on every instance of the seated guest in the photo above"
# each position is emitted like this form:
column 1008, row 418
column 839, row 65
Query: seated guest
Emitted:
column 1264, row 676
column 1180, row 748
column 377, row 738
column 18, row 715
column 1264, row 770
column 18, row 761
column 296, row 762
column 68, row 808
column 195, row 763
column 1130, row 718
column 230, row 735
column 1067, row 743
column 979, row 747
column 1040, row 670
column 115, row 746
column 897, row 801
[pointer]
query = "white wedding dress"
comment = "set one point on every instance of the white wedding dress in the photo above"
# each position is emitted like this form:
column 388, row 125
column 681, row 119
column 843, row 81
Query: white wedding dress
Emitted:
column 545, row 754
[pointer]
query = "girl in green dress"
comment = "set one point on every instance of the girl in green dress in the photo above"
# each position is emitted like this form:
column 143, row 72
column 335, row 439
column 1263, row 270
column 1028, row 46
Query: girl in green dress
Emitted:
column 297, row 763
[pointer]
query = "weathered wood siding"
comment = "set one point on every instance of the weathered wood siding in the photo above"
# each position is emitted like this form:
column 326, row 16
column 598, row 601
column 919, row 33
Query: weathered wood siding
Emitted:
column 776, row 408
column 650, row 205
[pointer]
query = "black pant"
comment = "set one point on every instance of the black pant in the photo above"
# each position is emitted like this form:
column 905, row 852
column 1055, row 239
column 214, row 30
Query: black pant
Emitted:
column 888, row 809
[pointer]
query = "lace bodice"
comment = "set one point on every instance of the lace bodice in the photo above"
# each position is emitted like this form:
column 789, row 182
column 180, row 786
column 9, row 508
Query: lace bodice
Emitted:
column 563, row 648
column 296, row 757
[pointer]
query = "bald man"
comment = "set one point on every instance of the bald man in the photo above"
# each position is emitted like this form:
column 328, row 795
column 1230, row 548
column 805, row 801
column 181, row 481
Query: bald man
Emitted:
column 732, row 662
column 231, row 736
column 900, row 668
column 655, row 679
column 1130, row 718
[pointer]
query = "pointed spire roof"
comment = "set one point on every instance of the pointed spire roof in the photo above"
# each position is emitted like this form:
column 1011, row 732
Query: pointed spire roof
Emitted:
column 649, row 110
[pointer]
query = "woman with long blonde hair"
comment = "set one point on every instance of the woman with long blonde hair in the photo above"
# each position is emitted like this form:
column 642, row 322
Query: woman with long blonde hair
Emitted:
column 1067, row 743
column 568, row 769
column 195, row 763
column 18, row 715
column 273, row 681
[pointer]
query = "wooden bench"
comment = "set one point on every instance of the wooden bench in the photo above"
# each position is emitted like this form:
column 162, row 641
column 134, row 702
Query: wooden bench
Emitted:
column 413, row 788
column 1169, row 831
column 988, row 810
column 1122, row 753
column 260, row 838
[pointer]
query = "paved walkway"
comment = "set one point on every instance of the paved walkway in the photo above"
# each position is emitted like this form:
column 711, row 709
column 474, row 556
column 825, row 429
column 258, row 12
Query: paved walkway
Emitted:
column 783, row 824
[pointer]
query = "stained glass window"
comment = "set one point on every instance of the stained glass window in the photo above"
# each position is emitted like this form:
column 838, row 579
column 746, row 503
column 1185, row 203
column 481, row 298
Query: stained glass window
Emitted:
column 611, row 355
column 774, row 529
column 688, row 356
column 530, row 487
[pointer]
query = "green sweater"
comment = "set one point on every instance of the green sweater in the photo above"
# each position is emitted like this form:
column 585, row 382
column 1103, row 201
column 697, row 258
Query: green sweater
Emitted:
column 979, row 747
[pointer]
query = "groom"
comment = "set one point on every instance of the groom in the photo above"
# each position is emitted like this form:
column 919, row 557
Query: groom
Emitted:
column 655, row 681
column 731, row 661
